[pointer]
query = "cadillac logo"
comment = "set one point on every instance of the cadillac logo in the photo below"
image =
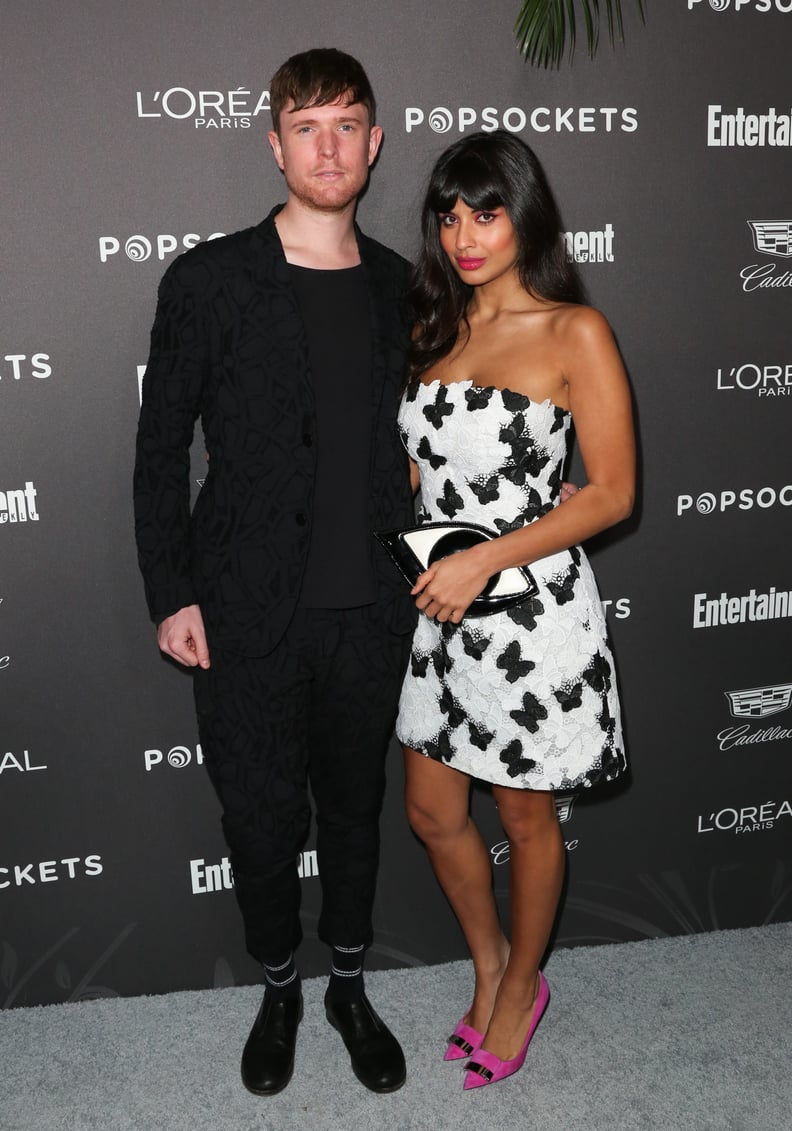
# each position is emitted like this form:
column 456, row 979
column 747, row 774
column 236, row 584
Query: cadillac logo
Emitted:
column 772, row 237
column 758, row 702
column 564, row 803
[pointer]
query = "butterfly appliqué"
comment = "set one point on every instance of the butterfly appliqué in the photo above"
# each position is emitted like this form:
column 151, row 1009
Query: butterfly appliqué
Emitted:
column 424, row 451
column 513, row 664
column 485, row 488
column 451, row 502
column 511, row 756
column 478, row 398
column 532, row 713
column 435, row 413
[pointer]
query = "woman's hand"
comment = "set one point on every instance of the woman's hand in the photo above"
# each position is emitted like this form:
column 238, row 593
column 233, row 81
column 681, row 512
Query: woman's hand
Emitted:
column 448, row 587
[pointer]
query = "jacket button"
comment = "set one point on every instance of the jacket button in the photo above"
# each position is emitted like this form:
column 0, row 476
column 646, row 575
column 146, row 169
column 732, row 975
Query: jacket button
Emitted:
column 300, row 518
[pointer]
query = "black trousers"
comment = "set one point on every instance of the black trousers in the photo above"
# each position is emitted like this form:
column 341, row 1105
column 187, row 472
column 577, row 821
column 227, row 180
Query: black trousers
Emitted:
column 317, row 710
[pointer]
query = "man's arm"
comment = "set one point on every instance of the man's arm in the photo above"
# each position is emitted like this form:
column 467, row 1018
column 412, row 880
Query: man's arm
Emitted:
column 172, row 390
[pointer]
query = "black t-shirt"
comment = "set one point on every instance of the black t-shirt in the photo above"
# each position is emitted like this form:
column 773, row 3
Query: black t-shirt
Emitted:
column 336, row 311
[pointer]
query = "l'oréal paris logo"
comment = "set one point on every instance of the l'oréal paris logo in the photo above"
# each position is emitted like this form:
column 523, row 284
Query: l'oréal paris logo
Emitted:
column 761, row 380
column 206, row 109
column 746, row 819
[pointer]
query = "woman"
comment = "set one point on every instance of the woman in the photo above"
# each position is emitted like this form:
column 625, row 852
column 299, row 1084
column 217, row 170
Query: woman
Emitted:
column 504, row 358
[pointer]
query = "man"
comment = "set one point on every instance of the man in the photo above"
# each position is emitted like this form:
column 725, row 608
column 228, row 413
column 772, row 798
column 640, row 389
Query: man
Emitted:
column 289, row 340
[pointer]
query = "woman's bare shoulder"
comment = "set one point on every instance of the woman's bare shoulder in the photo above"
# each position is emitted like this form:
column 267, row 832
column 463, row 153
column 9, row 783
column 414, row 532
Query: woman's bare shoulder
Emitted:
column 580, row 322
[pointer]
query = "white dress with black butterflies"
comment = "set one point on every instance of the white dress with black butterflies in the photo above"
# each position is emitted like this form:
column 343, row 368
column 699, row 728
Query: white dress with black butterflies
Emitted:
column 526, row 697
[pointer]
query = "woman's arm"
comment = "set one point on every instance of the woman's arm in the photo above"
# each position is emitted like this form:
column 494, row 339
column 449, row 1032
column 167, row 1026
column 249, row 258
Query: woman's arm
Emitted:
column 415, row 477
column 599, row 399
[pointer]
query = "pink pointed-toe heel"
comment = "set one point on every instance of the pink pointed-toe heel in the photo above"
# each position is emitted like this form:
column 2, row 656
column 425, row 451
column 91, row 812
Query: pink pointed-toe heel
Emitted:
column 487, row 1068
column 463, row 1042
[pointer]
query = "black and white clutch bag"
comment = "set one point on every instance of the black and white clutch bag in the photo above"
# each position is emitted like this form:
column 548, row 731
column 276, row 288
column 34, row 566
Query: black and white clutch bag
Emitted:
column 415, row 549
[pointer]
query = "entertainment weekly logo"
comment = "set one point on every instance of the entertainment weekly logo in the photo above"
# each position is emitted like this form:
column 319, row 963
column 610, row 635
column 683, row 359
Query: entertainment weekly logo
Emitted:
column 19, row 366
column 782, row 6
column 207, row 878
column 723, row 611
column 207, row 109
column 753, row 703
column 746, row 819
column 770, row 237
column 139, row 248
column 563, row 804
column 18, row 504
column 589, row 247
column 738, row 130
column 762, row 380
column 745, row 499
column 515, row 119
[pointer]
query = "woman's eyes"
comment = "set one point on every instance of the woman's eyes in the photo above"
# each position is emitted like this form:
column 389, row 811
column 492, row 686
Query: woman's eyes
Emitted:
column 448, row 219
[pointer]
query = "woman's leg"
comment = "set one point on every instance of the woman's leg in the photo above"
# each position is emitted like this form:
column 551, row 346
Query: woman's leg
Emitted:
column 438, row 801
column 530, row 822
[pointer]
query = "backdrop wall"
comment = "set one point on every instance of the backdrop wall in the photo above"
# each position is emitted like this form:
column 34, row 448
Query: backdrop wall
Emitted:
column 131, row 132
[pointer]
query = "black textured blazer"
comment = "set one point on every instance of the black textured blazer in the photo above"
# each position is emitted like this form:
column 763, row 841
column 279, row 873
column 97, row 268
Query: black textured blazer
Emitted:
column 228, row 345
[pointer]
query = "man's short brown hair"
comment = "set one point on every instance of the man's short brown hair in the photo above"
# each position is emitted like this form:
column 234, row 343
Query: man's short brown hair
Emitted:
column 317, row 78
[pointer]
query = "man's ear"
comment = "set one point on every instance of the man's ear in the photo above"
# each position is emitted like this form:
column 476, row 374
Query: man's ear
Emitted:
column 274, row 141
column 375, row 141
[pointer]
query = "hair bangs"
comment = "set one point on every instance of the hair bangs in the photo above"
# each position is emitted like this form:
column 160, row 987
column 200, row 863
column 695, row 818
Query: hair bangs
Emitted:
column 470, row 178
column 327, row 93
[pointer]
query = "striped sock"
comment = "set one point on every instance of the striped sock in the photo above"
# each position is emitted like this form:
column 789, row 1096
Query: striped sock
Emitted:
column 282, row 979
column 346, row 973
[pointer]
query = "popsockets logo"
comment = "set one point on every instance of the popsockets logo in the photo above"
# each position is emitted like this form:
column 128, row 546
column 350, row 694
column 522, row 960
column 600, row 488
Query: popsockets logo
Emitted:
column 770, row 237
column 177, row 758
column 756, row 703
column 563, row 805
column 207, row 109
column 783, row 6
column 514, row 119
column 746, row 819
column 620, row 607
column 49, row 871
column 19, row 366
column 140, row 248
column 745, row 499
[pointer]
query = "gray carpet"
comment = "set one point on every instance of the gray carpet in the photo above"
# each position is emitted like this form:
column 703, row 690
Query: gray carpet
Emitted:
column 690, row 1032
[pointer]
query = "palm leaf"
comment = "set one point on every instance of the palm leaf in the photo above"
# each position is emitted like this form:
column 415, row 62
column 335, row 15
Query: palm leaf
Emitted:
column 542, row 27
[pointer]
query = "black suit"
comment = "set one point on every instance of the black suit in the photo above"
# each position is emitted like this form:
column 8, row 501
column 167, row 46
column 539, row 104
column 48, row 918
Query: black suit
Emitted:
column 228, row 343
column 292, row 694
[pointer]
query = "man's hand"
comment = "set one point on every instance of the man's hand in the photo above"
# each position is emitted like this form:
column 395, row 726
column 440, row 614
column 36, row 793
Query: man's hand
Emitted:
column 182, row 637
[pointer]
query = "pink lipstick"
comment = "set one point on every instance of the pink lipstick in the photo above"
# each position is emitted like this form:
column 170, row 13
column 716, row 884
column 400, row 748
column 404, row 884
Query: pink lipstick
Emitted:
column 466, row 264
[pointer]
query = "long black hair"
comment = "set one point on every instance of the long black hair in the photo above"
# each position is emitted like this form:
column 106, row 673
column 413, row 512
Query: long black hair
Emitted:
column 487, row 170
